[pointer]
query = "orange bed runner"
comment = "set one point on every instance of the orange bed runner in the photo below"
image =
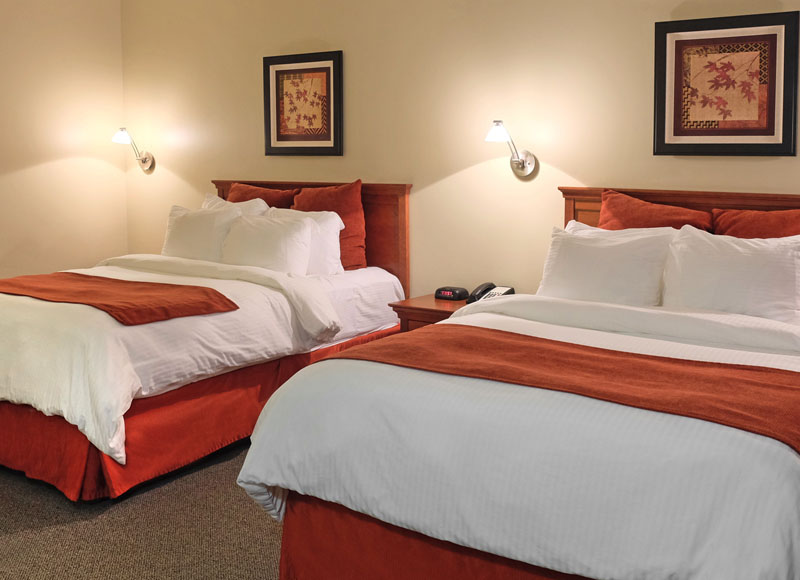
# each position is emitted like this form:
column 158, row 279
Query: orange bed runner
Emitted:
column 761, row 400
column 129, row 302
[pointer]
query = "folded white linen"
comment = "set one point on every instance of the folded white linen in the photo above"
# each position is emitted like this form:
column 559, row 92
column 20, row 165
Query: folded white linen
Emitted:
column 76, row 361
column 557, row 480
column 361, row 298
column 704, row 327
column 314, row 311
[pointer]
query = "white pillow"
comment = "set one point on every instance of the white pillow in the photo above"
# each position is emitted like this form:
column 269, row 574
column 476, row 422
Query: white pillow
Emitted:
column 283, row 245
column 325, row 249
column 581, row 229
column 757, row 277
column 613, row 266
column 255, row 206
column 197, row 234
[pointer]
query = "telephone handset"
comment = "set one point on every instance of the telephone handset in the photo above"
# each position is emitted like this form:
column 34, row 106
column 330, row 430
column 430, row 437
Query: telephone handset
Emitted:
column 488, row 290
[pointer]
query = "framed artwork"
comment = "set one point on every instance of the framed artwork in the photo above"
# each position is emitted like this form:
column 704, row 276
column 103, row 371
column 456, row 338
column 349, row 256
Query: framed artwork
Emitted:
column 726, row 86
column 303, row 104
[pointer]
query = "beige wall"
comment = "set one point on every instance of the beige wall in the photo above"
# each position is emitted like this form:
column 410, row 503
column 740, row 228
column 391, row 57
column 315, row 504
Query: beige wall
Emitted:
column 423, row 80
column 62, row 185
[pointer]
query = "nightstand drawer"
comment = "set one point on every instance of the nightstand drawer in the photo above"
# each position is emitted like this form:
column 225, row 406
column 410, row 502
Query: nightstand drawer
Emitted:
column 414, row 324
column 424, row 310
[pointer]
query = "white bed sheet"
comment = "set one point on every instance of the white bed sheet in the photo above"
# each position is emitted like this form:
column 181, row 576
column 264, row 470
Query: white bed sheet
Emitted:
column 75, row 361
column 549, row 478
column 360, row 298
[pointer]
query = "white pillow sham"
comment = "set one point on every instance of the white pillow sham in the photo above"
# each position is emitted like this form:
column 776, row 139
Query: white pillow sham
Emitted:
column 325, row 248
column 283, row 245
column 197, row 234
column 608, row 266
column 581, row 229
column 757, row 277
column 255, row 206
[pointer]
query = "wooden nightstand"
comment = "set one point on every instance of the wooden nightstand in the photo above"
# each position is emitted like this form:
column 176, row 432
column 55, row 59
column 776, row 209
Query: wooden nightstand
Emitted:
column 424, row 310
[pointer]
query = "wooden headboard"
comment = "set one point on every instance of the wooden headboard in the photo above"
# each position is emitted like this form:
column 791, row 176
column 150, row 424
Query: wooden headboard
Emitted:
column 385, row 214
column 583, row 203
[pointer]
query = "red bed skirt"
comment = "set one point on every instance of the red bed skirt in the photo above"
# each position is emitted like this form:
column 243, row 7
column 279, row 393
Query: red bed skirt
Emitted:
column 163, row 433
column 326, row 540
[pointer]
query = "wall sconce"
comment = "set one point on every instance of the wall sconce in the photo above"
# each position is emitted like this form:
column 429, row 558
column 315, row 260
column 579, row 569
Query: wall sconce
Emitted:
column 146, row 160
column 521, row 164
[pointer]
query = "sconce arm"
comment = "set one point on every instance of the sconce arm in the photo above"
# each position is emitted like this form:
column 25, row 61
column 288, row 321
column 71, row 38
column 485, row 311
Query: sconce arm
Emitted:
column 514, row 153
column 136, row 150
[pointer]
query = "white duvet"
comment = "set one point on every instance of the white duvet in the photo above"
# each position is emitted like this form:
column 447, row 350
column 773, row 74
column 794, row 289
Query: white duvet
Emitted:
column 553, row 479
column 76, row 361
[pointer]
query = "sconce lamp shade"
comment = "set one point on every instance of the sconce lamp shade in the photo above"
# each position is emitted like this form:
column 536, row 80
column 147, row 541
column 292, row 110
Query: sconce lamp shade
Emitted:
column 146, row 160
column 522, row 164
column 121, row 137
column 497, row 133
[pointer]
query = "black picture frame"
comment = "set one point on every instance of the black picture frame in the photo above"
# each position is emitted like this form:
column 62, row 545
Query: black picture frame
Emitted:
column 303, row 104
column 710, row 73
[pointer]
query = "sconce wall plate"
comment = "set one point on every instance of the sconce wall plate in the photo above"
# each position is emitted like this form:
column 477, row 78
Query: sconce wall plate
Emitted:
column 525, row 165
column 147, row 162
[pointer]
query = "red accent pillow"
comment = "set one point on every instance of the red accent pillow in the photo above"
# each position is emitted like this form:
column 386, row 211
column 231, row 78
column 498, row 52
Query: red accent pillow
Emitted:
column 619, row 211
column 274, row 197
column 346, row 201
column 751, row 223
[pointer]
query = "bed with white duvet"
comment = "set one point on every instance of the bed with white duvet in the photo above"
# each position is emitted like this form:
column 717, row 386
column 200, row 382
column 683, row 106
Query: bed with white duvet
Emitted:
column 96, row 366
column 553, row 479
column 294, row 302
column 560, row 481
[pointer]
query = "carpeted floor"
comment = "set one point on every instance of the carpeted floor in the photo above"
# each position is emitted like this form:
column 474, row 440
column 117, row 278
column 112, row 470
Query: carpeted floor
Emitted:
column 195, row 524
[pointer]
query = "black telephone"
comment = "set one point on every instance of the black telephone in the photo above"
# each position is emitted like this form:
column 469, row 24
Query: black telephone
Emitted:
column 488, row 290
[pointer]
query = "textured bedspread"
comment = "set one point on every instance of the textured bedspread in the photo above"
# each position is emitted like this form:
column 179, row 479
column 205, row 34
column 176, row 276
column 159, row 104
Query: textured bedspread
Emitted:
column 75, row 361
column 760, row 400
column 554, row 479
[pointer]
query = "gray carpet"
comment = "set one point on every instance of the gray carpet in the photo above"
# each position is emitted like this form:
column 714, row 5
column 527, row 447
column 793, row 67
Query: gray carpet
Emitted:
column 195, row 524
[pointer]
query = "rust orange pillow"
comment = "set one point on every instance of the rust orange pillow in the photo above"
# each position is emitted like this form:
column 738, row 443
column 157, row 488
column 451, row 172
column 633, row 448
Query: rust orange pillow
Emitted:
column 345, row 200
column 274, row 197
column 751, row 223
column 619, row 211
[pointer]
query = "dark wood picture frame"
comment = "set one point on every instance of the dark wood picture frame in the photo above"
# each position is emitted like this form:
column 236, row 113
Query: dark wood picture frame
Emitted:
column 726, row 86
column 303, row 104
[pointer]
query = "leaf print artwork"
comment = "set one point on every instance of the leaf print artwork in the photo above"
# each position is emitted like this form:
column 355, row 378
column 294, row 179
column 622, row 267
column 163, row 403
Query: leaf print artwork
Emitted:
column 721, row 86
column 727, row 85
column 303, row 104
